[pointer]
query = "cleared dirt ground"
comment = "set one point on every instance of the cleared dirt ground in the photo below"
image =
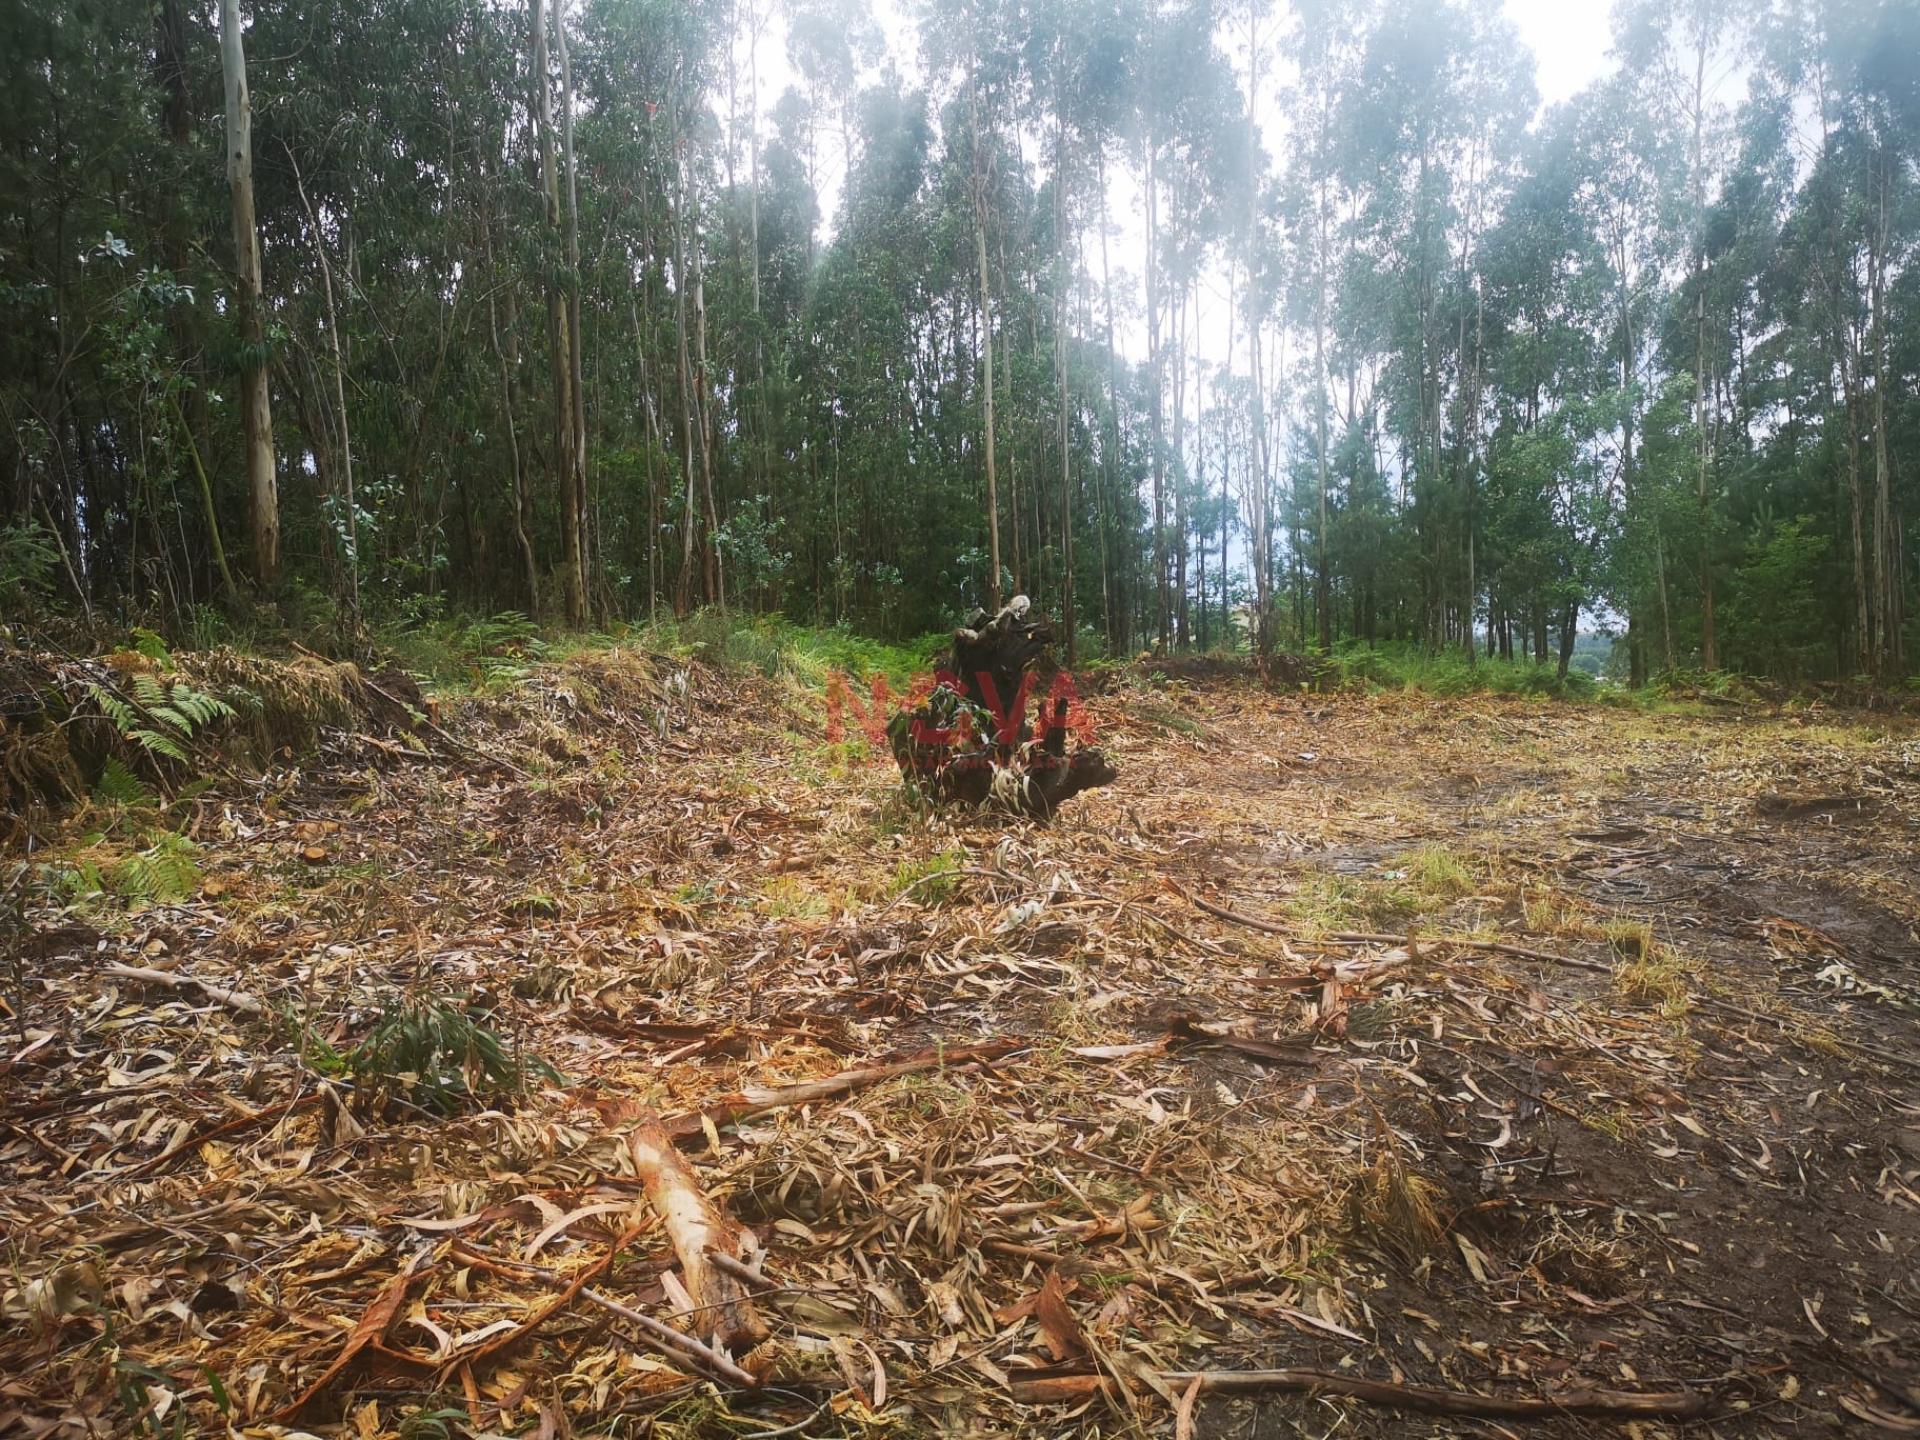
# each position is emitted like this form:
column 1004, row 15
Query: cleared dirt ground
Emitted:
column 1264, row 1088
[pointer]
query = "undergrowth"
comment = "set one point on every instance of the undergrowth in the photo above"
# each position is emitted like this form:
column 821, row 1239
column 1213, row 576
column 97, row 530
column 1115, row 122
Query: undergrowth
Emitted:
column 932, row 881
column 438, row 1056
column 1354, row 665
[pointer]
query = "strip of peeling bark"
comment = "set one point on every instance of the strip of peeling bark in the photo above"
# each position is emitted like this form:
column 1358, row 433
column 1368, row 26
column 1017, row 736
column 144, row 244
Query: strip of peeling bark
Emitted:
column 697, row 1230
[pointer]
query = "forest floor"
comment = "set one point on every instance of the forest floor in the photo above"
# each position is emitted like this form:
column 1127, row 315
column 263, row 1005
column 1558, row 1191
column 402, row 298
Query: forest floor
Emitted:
column 1667, row 1143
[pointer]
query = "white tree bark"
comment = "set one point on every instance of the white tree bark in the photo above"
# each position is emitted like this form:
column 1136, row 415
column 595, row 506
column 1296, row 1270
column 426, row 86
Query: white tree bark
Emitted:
column 255, row 410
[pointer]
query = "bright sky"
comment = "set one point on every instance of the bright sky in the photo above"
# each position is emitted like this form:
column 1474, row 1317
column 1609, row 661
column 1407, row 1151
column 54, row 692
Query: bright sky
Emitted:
column 1569, row 40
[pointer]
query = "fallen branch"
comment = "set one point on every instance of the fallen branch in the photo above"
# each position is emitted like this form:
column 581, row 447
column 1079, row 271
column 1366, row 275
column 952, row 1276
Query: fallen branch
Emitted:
column 1056, row 1387
column 1858, row 1047
column 213, row 1132
column 233, row 999
column 426, row 723
column 677, row 1344
column 1189, row 1029
column 577, row 1284
column 1369, row 937
column 697, row 1231
column 749, row 1103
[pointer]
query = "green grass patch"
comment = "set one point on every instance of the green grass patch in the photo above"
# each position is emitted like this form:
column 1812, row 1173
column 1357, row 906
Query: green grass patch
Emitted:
column 788, row 897
column 1438, row 873
column 1354, row 665
column 932, row 881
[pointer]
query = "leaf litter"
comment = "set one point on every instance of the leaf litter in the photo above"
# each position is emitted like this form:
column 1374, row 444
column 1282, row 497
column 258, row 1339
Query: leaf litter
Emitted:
column 1436, row 1065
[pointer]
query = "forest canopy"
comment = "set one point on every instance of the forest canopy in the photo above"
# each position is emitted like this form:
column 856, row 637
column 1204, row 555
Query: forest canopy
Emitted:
column 1241, row 324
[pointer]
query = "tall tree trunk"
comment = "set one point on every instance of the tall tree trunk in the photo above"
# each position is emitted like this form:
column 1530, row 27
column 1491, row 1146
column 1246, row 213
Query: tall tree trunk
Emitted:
column 183, row 321
column 1709, row 647
column 1323, row 592
column 1260, row 510
column 1889, row 658
column 1163, row 609
column 980, row 202
column 576, row 382
column 712, row 561
column 1118, row 635
column 1060, row 364
column 255, row 410
column 522, row 536
column 507, row 355
column 559, row 336
column 1024, row 534
column 689, row 509
column 351, row 535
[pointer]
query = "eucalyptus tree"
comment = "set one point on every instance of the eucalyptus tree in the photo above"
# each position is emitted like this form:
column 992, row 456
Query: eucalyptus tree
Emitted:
column 1683, row 56
column 256, row 410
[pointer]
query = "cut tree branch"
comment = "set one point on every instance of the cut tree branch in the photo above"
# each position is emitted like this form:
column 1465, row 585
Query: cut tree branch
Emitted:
column 233, row 999
column 1057, row 1387
column 697, row 1230
column 758, row 1101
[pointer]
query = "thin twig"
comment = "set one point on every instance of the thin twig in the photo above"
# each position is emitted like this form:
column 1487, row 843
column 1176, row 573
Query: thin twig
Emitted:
column 676, row 1343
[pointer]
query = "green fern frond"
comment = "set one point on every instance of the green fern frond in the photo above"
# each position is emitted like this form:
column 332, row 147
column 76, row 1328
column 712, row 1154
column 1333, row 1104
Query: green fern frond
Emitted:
column 149, row 644
column 199, row 708
column 123, row 715
column 120, row 786
column 173, row 718
column 164, row 872
column 159, row 742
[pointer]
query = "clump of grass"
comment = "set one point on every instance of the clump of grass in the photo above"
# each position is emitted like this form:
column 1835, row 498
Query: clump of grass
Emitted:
column 778, row 648
column 1321, row 903
column 1646, row 970
column 1548, row 911
column 1355, row 665
column 788, row 897
column 1162, row 716
column 1324, row 902
column 900, row 809
column 1615, row 1124
column 1438, row 873
column 1592, row 1264
column 1396, row 1208
column 1068, row 1022
column 933, row 880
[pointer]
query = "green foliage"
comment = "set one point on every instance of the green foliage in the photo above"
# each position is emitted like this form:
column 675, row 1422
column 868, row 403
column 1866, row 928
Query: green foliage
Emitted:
column 1777, row 621
column 27, row 561
column 1438, row 873
column 442, row 1058
column 1499, row 425
column 163, row 716
column 119, row 786
column 166, row 872
column 1356, row 666
column 931, row 881
column 775, row 647
column 507, row 634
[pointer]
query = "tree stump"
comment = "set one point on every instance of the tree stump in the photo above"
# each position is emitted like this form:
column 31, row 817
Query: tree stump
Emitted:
column 972, row 742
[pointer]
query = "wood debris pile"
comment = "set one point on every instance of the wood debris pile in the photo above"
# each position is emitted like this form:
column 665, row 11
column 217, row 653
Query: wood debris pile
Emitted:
column 716, row 1088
